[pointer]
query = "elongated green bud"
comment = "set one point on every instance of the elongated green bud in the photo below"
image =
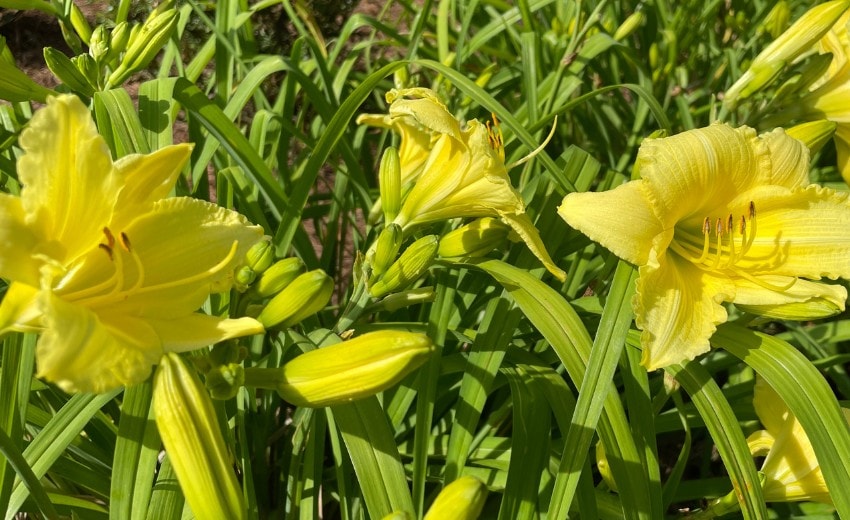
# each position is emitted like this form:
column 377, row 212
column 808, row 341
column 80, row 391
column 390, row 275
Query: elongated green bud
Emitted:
column 190, row 433
column 396, row 301
column 87, row 67
column 386, row 248
column 814, row 134
column 353, row 369
column 776, row 20
column 477, row 238
column 118, row 40
column 277, row 277
column 305, row 296
column 463, row 499
column 63, row 68
column 412, row 263
column 261, row 256
column 390, row 184
column 630, row 25
column 144, row 45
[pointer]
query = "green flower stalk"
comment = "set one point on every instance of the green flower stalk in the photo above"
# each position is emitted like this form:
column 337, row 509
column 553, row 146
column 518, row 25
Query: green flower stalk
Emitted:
column 190, row 433
column 347, row 371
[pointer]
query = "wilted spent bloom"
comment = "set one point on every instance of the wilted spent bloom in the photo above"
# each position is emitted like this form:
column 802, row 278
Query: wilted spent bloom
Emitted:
column 718, row 215
column 277, row 277
column 790, row 467
column 190, row 433
column 477, row 238
column 224, row 381
column 350, row 370
column 305, row 296
column 786, row 48
column 463, row 499
column 412, row 264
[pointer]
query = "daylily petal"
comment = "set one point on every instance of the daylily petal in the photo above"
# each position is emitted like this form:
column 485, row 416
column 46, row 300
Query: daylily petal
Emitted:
column 770, row 408
column 70, row 186
column 200, row 330
column 677, row 306
column 802, row 233
column 150, row 177
column 522, row 226
column 789, row 160
column 183, row 241
column 17, row 243
column 87, row 352
column 20, row 310
column 689, row 173
column 803, row 300
column 425, row 108
column 627, row 232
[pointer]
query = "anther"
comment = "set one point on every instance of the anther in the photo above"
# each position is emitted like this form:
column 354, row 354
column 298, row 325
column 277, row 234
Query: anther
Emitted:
column 125, row 242
column 752, row 210
column 109, row 238
column 730, row 223
column 706, row 226
column 743, row 226
column 719, row 227
column 106, row 248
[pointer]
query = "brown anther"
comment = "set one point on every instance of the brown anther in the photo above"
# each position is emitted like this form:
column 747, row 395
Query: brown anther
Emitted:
column 107, row 249
column 730, row 222
column 706, row 226
column 109, row 238
column 718, row 228
column 752, row 210
column 125, row 242
column 743, row 226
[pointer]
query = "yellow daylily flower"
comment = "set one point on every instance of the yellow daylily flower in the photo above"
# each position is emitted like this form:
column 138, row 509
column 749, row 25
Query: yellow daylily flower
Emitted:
column 720, row 215
column 830, row 96
column 102, row 263
column 791, row 470
column 463, row 173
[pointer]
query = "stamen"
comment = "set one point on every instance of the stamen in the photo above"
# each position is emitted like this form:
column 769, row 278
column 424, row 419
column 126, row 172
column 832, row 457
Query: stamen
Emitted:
column 106, row 248
column 718, row 228
column 536, row 150
column 766, row 285
column 125, row 242
column 110, row 240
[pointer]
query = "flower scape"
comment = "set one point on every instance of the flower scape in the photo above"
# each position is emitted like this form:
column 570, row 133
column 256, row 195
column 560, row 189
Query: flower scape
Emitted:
column 440, row 260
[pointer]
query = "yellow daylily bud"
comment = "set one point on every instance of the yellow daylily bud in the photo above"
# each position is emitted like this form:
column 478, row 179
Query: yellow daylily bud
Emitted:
column 260, row 256
column 386, row 248
column 800, row 37
column 776, row 20
column 99, row 43
column 813, row 134
column 306, row 295
column 477, row 238
column 187, row 424
column 463, row 499
column 390, row 183
column 352, row 369
column 15, row 86
column 412, row 263
column 63, row 68
column 603, row 467
column 630, row 25
column 244, row 277
column 278, row 276
column 144, row 45
column 224, row 381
